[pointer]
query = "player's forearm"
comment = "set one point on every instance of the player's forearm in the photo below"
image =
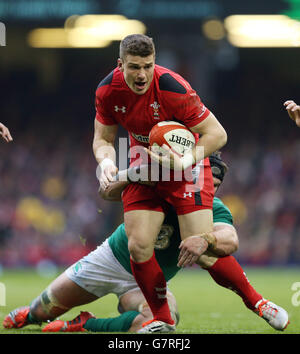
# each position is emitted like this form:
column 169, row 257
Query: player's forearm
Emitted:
column 103, row 150
column 213, row 137
column 209, row 143
column 103, row 142
column 226, row 241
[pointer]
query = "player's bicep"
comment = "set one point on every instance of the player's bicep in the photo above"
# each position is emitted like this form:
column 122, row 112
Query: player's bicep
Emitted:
column 103, row 113
column 210, row 125
column 104, row 132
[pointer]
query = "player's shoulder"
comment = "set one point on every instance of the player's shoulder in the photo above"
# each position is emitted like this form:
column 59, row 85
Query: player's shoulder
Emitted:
column 110, row 82
column 169, row 81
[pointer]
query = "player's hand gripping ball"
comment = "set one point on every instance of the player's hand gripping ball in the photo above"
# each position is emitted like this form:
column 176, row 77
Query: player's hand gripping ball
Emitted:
column 173, row 134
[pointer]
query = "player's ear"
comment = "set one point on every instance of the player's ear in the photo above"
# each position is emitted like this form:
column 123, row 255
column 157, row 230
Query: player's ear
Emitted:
column 120, row 64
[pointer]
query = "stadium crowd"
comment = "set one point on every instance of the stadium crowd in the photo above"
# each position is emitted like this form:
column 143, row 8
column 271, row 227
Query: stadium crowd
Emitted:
column 50, row 210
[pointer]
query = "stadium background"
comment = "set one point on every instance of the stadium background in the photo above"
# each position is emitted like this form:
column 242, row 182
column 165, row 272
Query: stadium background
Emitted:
column 50, row 212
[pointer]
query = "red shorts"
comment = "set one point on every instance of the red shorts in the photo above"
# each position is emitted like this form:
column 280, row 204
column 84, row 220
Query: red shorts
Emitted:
column 185, row 197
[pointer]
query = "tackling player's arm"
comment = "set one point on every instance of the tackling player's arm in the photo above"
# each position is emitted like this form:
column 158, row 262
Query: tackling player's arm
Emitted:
column 227, row 241
column 222, row 241
column 115, row 188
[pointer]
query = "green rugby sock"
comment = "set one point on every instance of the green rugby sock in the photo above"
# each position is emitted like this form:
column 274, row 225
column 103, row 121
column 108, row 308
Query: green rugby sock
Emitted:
column 32, row 320
column 121, row 323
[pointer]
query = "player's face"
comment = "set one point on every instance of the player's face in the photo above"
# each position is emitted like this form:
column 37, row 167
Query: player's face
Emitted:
column 138, row 72
column 217, row 183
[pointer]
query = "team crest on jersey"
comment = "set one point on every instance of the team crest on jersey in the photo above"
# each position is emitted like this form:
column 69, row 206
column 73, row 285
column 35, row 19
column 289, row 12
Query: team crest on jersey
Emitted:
column 163, row 238
column 155, row 107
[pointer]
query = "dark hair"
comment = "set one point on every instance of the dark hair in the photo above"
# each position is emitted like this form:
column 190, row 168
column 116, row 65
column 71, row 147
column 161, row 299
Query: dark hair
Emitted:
column 218, row 166
column 137, row 44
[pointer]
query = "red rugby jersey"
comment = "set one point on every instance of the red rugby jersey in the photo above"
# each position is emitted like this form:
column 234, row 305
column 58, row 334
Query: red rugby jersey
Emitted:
column 169, row 97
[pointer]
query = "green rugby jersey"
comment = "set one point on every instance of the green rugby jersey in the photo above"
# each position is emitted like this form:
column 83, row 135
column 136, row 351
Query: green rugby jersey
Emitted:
column 168, row 241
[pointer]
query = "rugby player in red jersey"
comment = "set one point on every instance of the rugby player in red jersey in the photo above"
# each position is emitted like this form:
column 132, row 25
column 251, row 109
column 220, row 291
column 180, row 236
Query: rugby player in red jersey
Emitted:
column 4, row 132
column 138, row 94
column 107, row 270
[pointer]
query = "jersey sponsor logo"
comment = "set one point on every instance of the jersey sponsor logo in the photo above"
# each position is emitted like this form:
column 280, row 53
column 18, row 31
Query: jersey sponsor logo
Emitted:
column 121, row 109
column 155, row 107
column 141, row 138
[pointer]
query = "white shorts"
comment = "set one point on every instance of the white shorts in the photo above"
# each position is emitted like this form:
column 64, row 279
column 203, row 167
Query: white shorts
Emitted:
column 100, row 273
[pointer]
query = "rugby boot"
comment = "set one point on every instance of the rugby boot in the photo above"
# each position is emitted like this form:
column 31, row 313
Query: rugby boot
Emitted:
column 275, row 315
column 17, row 318
column 75, row 325
column 156, row 326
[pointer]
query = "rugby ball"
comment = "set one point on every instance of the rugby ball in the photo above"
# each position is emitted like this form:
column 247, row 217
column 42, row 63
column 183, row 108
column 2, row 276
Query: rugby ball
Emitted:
column 175, row 135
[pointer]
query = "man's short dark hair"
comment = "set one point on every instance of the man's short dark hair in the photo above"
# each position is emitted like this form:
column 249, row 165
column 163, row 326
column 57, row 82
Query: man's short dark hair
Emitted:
column 138, row 45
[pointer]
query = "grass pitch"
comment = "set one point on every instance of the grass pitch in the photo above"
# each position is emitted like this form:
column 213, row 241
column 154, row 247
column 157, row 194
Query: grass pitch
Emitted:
column 204, row 306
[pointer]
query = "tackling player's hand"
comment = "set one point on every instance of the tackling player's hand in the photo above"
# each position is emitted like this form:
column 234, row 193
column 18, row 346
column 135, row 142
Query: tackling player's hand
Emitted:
column 191, row 249
column 4, row 132
column 293, row 111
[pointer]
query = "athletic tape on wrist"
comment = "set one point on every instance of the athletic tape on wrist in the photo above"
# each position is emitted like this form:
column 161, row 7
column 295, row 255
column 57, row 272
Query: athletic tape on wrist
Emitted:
column 187, row 160
column 210, row 239
column 106, row 162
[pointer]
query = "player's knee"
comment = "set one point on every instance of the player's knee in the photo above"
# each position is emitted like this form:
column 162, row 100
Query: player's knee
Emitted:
column 140, row 250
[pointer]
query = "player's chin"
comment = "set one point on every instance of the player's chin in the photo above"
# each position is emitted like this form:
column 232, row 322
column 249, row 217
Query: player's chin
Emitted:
column 140, row 89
